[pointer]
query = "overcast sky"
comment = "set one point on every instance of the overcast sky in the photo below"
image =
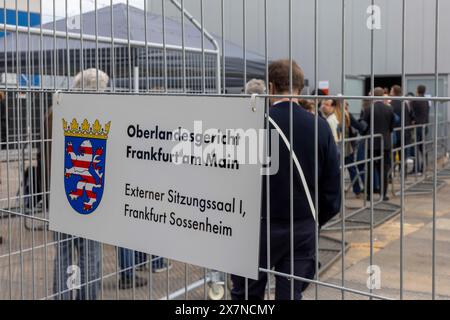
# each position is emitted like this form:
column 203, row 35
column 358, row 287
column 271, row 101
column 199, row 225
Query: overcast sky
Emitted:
column 74, row 7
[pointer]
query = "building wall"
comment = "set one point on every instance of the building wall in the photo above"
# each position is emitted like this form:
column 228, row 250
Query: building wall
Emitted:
column 420, row 25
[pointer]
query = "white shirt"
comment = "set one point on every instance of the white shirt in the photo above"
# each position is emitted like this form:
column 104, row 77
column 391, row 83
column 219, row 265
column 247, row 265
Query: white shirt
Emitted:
column 334, row 124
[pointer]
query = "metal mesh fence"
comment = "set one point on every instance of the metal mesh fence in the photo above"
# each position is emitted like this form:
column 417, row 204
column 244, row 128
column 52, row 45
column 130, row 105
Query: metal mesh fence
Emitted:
column 35, row 62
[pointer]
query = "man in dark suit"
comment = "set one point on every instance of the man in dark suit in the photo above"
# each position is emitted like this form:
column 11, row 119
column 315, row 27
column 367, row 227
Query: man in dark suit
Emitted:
column 304, row 221
column 384, row 123
column 397, row 105
column 421, row 110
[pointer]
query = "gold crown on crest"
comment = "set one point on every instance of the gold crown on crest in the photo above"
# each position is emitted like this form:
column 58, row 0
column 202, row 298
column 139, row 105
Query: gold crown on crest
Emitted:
column 85, row 130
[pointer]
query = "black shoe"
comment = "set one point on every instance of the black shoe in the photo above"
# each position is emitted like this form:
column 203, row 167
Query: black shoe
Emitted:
column 161, row 266
column 142, row 267
column 386, row 199
column 127, row 282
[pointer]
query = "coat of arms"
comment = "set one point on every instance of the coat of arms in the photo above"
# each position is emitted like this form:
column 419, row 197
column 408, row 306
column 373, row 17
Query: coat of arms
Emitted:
column 84, row 163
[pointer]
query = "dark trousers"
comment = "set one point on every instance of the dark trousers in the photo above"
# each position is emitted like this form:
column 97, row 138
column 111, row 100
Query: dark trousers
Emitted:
column 127, row 264
column 381, row 171
column 409, row 151
column 361, row 156
column 280, row 260
column 362, row 168
column 353, row 172
column 420, row 156
column 87, row 267
column 126, row 261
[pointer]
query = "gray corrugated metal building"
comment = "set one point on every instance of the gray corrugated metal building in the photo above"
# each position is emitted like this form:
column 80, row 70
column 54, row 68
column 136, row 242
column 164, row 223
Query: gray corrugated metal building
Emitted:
column 420, row 46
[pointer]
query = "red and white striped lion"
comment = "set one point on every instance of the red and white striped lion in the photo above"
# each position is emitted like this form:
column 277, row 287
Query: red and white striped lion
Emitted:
column 81, row 163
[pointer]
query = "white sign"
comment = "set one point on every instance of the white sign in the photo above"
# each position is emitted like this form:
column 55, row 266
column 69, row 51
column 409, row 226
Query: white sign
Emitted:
column 325, row 86
column 9, row 78
column 74, row 23
column 123, row 172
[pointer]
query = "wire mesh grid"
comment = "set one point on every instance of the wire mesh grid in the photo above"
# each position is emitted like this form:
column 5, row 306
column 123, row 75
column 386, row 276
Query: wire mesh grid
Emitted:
column 36, row 61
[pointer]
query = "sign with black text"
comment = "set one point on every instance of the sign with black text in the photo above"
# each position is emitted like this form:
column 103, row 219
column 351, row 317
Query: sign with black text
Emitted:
column 174, row 176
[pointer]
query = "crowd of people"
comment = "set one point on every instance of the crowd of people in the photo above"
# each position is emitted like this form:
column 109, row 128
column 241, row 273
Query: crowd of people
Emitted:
column 378, row 137
column 337, row 131
column 357, row 145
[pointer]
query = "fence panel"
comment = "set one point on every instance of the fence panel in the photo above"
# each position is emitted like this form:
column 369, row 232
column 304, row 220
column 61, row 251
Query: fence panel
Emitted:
column 146, row 53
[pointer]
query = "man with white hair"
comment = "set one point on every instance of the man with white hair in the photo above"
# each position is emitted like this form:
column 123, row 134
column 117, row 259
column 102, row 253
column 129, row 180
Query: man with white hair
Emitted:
column 94, row 79
column 383, row 125
column 91, row 79
column 255, row 86
column 88, row 251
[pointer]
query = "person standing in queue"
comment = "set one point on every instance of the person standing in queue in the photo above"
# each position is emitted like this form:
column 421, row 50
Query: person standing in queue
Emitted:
column 384, row 124
column 421, row 109
column 329, row 190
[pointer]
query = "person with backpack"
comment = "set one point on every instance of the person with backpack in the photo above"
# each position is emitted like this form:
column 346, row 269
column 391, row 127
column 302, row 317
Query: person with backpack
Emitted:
column 305, row 215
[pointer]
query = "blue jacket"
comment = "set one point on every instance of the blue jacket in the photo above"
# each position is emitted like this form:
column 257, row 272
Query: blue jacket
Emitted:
column 329, row 188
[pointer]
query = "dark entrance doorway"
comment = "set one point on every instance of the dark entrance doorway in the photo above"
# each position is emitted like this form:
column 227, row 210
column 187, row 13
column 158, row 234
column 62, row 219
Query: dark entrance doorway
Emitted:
column 384, row 82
